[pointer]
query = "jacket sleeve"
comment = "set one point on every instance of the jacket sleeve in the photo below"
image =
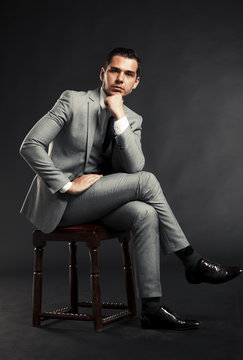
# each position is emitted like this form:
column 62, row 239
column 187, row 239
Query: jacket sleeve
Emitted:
column 127, row 154
column 34, row 148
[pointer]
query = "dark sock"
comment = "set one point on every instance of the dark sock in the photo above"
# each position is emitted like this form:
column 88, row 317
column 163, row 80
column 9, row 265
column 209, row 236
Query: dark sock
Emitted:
column 150, row 304
column 189, row 257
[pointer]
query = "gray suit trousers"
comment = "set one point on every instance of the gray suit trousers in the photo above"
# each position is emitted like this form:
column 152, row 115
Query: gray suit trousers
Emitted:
column 133, row 202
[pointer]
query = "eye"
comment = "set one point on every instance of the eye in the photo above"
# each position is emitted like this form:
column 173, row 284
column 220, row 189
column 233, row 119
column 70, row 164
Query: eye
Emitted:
column 131, row 74
column 113, row 70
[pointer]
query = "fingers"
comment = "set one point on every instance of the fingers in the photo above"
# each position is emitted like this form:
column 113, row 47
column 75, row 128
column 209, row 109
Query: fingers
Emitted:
column 83, row 183
column 115, row 104
column 113, row 100
column 91, row 177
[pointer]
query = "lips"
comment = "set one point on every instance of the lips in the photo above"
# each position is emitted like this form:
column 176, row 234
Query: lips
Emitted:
column 117, row 88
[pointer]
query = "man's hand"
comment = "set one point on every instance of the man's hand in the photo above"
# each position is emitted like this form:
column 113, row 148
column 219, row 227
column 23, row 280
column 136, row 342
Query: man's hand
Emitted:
column 82, row 183
column 115, row 104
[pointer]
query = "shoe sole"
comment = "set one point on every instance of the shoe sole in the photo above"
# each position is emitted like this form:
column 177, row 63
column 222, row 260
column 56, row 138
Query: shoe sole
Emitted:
column 146, row 324
column 192, row 280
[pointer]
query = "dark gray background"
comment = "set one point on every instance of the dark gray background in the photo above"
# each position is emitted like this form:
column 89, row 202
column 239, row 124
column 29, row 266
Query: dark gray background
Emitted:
column 190, row 97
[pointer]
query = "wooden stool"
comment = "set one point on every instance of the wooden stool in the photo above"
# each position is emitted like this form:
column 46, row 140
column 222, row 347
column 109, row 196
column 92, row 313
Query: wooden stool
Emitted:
column 92, row 234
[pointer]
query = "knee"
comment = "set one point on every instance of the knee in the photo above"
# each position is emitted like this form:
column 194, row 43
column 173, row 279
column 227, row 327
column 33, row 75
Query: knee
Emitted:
column 148, row 177
column 149, row 183
column 145, row 213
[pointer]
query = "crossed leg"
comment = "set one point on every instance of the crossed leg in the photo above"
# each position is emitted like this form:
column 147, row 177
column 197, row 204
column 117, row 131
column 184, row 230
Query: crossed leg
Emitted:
column 132, row 202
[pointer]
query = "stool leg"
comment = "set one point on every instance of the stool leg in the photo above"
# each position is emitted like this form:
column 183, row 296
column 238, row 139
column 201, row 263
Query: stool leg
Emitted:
column 131, row 300
column 37, row 286
column 95, row 284
column 73, row 277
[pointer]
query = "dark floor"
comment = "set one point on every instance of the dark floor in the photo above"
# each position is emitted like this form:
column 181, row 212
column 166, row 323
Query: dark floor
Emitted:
column 219, row 308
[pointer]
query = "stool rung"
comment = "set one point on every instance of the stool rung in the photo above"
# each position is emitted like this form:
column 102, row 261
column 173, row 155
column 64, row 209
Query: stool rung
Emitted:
column 56, row 314
column 66, row 314
column 111, row 318
column 104, row 305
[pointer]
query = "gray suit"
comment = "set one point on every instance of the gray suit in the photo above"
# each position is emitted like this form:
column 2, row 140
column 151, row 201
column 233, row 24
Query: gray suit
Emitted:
column 68, row 129
column 125, row 199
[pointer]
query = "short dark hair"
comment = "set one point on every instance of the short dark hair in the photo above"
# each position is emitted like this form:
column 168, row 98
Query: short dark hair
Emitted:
column 125, row 52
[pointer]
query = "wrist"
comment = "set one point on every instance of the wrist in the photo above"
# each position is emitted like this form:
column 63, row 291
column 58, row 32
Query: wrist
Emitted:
column 66, row 187
column 71, row 190
column 119, row 115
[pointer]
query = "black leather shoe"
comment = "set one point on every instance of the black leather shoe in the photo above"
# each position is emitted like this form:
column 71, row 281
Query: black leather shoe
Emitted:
column 212, row 273
column 164, row 318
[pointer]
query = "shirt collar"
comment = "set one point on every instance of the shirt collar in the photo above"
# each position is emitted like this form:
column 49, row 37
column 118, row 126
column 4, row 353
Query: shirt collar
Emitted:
column 102, row 99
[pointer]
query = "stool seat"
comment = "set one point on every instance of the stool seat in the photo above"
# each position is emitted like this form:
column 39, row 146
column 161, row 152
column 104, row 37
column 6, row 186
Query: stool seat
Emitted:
column 92, row 235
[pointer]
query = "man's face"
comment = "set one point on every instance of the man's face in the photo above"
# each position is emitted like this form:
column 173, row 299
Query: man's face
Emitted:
column 120, row 76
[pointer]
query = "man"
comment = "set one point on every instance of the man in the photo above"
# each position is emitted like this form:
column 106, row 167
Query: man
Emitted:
column 86, row 152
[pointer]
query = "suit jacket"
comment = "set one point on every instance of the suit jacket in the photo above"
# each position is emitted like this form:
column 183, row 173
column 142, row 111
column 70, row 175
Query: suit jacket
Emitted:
column 58, row 147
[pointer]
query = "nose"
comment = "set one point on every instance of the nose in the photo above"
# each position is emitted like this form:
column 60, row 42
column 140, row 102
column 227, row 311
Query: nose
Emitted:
column 120, row 78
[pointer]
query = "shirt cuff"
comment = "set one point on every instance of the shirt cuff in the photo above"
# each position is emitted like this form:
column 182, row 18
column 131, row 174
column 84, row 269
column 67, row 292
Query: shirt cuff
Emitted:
column 121, row 125
column 66, row 187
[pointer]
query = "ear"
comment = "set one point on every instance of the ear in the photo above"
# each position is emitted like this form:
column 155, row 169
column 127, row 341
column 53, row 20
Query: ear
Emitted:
column 136, row 83
column 102, row 72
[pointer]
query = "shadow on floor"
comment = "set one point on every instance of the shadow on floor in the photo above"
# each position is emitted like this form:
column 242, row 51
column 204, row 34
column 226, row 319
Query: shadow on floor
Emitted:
column 218, row 308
